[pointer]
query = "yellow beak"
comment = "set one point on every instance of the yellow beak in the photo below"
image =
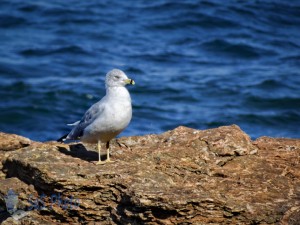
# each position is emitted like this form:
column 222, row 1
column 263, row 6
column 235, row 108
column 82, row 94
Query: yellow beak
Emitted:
column 129, row 81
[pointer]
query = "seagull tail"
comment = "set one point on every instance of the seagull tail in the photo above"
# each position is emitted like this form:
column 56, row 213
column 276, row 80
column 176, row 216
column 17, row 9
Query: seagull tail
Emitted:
column 62, row 139
column 74, row 124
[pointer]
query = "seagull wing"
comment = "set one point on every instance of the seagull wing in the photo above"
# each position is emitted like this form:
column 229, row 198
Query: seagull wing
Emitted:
column 93, row 113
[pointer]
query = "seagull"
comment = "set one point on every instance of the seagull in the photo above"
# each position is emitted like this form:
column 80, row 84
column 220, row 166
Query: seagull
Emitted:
column 108, row 117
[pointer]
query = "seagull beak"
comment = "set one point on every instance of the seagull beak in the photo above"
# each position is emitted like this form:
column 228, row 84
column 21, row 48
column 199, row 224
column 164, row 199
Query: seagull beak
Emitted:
column 129, row 81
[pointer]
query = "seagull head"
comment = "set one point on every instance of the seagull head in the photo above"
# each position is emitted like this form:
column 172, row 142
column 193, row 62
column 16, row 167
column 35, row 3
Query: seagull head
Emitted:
column 117, row 78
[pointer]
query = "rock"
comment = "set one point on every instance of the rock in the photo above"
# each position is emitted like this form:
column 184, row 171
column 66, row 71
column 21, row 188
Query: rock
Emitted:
column 11, row 142
column 183, row 176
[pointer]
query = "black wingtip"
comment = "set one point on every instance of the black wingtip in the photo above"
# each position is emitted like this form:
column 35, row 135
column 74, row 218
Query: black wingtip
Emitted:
column 62, row 139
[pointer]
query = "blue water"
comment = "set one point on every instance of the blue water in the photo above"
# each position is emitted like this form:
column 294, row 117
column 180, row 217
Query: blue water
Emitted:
column 201, row 64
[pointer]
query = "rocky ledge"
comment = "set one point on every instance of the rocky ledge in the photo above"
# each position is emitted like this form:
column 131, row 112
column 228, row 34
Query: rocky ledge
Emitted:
column 183, row 176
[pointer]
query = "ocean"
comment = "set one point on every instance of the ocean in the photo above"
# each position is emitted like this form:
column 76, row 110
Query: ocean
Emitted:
column 201, row 64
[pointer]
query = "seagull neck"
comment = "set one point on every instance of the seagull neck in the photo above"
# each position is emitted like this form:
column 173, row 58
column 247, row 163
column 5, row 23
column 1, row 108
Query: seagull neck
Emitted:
column 117, row 91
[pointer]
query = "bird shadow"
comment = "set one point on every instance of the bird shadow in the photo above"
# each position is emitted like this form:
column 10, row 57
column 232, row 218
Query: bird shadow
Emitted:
column 3, row 216
column 79, row 151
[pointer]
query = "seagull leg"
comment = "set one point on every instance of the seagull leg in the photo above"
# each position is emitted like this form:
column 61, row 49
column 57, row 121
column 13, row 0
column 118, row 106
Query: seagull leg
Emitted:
column 107, row 153
column 99, row 151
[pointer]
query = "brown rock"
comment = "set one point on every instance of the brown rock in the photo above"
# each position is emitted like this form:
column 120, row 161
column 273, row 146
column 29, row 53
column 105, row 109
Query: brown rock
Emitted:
column 10, row 142
column 183, row 176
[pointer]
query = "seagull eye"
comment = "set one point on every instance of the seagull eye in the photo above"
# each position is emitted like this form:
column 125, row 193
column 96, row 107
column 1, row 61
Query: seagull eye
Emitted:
column 118, row 77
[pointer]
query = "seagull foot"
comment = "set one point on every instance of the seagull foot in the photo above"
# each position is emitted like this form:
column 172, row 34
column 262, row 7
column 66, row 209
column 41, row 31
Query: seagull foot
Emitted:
column 100, row 162
column 104, row 162
column 109, row 161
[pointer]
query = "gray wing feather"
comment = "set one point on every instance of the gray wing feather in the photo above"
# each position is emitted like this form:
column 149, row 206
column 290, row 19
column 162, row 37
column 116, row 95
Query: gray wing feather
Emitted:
column 89, row 116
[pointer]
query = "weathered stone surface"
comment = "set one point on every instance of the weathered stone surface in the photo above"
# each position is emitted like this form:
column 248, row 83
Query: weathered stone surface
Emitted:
column 183, row 176
column 11, row 142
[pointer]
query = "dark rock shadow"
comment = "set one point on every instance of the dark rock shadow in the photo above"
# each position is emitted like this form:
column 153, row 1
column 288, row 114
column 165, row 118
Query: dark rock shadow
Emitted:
column 79, row 151
column 3, row 216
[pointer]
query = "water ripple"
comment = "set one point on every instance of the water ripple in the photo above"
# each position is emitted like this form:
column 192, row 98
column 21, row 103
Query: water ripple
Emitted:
column 196, row 63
